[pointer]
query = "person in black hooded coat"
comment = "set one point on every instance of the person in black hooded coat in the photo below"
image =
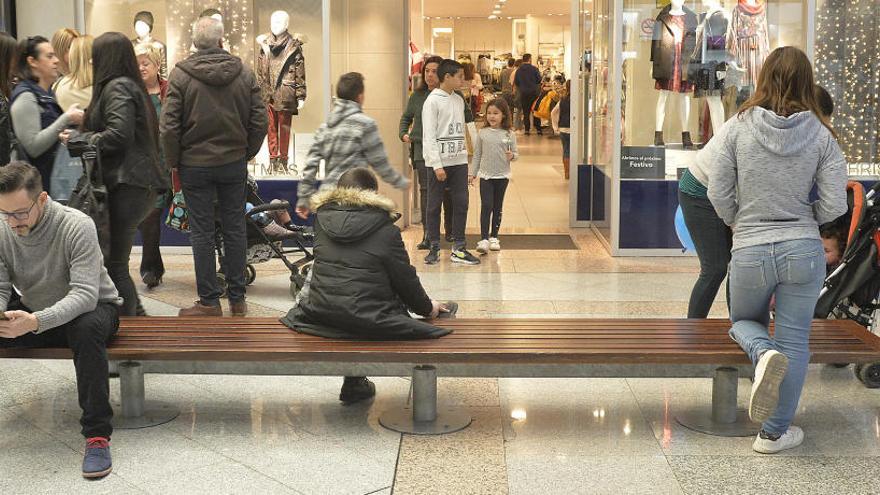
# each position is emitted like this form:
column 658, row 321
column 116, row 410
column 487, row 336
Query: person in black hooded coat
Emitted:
column 361, row 285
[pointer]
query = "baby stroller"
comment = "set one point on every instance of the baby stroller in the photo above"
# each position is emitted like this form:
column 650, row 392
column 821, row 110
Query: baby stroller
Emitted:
column 852, row 290
column 265, row 237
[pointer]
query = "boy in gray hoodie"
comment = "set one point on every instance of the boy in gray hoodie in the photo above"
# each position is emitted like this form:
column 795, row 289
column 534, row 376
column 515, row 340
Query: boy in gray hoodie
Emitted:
column 349, row 139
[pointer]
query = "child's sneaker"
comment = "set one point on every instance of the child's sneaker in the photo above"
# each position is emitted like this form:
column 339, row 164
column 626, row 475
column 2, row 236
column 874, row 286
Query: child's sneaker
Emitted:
column 483, row 246
column 494, row 244
column 769, row 373
column 766, row 443
column 433, row 256
column 464, row 257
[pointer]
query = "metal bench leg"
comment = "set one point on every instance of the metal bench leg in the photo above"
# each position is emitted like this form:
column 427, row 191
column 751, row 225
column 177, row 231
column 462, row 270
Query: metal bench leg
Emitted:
column 424, row 418
column 725, row 419
column 136, row 412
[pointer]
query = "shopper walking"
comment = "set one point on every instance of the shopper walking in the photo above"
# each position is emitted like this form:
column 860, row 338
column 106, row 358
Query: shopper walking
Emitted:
column 76, row 86
column 37, row 119
column 528, row 85
column 122, row 124
column 443, row 128
column 349, row 139
column 494, row 150
column 507, row 83
column 411, row 133
column 560, row 117
column 152, row 268
column 213, row 122
column 515, row 106
column 764, row 163
column 472, row 87
column 7, row 62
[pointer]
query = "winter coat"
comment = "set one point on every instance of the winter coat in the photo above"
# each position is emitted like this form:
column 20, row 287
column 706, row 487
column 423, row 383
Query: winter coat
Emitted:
column 361, row 283
column 282, row 73
column 663, row 44
column 6, row 136
column 412, row 116
column 349, row 139
column 212, row 114
column 124, row 127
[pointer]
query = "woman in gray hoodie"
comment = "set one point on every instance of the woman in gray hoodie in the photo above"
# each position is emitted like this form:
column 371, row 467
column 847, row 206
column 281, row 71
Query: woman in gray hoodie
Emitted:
column 764, row 164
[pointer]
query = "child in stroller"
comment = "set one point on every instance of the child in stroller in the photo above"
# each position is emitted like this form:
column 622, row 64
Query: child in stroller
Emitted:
column 269, row 226
column 852, row 288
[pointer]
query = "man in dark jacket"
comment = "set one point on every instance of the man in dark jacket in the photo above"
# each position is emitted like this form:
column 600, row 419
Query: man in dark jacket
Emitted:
column 362, row 285
column 213, row 123
column 528, row 85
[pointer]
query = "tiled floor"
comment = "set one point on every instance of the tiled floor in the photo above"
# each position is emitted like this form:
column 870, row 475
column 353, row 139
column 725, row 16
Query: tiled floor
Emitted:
column 245, row 434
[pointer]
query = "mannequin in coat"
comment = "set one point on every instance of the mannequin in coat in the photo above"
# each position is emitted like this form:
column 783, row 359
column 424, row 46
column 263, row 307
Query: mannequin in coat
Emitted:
column 668, row 54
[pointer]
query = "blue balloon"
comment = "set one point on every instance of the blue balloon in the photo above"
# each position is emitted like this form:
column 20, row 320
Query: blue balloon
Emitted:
column 681, row 230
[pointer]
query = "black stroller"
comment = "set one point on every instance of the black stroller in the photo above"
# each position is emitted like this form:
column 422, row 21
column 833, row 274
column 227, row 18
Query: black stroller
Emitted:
column 265, row 240
column 852, row 290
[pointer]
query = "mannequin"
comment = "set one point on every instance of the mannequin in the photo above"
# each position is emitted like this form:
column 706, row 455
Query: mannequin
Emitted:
column 672, row 44
column 282, row 77
column 143, row 28
column 710, row 60
column 748, row 42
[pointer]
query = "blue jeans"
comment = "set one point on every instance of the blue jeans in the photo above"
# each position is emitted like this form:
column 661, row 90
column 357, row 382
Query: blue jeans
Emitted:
column 794, row 271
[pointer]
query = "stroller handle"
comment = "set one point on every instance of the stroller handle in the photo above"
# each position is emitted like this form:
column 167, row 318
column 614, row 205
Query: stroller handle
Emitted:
column 874, row 190
column 277, row 206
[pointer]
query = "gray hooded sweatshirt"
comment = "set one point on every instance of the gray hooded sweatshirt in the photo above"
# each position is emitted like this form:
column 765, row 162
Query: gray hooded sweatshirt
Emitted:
column 349, row 139
column 762, row 168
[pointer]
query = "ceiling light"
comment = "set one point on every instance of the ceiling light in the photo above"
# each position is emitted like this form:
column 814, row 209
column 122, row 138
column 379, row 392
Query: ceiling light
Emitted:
column 493, row 17
column 496, row 12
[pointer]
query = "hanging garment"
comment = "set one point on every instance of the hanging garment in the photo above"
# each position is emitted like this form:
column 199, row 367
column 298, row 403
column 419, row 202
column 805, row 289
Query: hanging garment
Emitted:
column 674, row 42
column 748, row 40
column 708, row 67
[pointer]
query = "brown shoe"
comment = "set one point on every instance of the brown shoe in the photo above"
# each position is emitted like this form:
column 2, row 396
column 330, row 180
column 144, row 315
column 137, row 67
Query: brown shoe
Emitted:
column 238, row 308
column 199, row 309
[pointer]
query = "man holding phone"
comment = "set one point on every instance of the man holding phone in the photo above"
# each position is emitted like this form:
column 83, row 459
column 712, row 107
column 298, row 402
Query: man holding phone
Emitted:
column 50, row 254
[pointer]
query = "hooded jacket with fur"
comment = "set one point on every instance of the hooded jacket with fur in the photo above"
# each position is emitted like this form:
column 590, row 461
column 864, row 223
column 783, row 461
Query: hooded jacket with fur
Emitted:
column 213, row 114
column 361, row 285
column 349, row 139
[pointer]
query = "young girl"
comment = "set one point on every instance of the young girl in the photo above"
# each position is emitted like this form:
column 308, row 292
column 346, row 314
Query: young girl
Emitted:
column 495, row 149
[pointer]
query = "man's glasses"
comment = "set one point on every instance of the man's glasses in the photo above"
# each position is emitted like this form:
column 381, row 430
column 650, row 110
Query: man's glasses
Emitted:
column 18, row 215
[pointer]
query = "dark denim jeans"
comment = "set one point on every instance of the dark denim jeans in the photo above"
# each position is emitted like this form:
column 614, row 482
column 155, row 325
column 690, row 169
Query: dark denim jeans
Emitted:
column 225, row 185
column 712, row 240
column 457, row 183
column 129, row 206
column 422, row 172
column 87, row 336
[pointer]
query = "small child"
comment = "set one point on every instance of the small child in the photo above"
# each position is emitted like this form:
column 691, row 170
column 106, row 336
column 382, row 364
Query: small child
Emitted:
column 834, row 241
column 495, row 148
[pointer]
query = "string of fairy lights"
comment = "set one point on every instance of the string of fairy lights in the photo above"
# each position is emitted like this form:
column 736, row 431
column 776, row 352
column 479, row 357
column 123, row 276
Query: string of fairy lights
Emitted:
column 848, row 65
column 238, row 25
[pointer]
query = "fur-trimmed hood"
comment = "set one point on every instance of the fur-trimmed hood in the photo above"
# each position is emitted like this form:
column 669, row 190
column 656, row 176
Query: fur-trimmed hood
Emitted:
column 349, row 215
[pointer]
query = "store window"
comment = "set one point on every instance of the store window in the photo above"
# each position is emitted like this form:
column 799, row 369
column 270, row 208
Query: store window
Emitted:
column 268, row 35
column 848, row 65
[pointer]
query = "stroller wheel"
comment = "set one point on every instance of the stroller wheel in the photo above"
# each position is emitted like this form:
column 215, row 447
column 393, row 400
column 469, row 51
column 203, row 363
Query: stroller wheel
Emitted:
column 869, row 374
column 221, row 282
column 250, row 274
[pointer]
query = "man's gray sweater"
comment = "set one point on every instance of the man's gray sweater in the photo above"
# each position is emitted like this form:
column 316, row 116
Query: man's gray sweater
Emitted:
column 762, row 168
column 58, row 267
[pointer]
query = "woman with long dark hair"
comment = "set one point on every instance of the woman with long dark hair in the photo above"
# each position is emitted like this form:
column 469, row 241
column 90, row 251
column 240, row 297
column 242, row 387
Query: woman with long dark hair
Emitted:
column 762, row 166
column 121, row 122
column 7, row 61
column 36, row 117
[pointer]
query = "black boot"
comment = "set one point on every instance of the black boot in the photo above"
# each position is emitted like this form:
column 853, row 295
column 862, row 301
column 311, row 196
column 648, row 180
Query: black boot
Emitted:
column 356, row 389
column 658, row 138
column 686, row 142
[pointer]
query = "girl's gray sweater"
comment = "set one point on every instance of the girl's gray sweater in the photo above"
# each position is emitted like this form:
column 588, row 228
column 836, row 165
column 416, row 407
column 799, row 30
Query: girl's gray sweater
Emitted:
column 490, row 153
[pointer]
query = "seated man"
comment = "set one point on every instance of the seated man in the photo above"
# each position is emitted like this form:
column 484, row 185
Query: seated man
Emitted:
column 361, row 285
column 50, row 253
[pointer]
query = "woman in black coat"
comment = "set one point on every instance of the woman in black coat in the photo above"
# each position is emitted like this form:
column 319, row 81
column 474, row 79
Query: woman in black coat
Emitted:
column 362, row 285
column 121, row 122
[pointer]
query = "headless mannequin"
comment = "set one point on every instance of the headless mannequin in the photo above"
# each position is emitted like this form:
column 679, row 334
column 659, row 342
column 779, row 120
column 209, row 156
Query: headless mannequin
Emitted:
column 716, row 107
column 684, row 101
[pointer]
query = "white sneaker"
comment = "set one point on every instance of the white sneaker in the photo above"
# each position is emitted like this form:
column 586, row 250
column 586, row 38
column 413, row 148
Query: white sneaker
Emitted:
column 791, row 439
column 769, row 373
column 494, row 244
column 483, row 246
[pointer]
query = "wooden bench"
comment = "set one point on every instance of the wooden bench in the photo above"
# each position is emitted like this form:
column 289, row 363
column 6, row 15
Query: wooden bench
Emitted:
column 524, row 348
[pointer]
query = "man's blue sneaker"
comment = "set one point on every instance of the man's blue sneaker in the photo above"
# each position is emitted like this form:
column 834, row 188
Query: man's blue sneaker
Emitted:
column 97, row 463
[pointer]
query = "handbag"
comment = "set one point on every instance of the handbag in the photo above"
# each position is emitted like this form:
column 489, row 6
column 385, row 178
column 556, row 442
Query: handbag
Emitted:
column 90, row 195
column 178, row 215
column 66, row 172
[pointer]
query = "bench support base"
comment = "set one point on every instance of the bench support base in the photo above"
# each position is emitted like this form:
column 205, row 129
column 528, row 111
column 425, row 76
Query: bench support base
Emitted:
column 136, row 413
column 424, row 418
column 725, row 420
